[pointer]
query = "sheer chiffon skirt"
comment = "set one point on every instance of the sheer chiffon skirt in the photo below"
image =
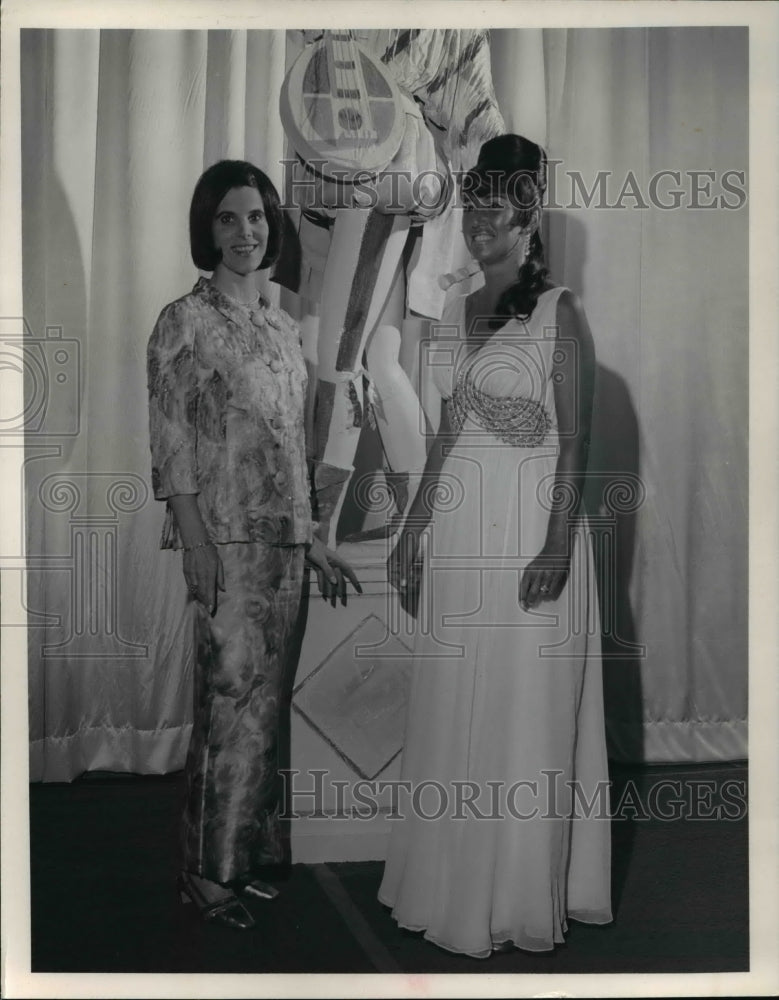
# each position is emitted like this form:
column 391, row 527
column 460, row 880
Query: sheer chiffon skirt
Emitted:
column 505, row 835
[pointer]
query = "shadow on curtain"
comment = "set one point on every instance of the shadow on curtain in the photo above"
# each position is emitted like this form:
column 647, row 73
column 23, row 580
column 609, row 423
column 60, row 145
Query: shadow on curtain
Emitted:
column 665, row 289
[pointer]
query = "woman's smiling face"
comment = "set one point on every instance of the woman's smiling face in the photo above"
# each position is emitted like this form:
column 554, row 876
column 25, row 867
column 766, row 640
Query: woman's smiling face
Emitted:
column 240, row 230
column 490, row 228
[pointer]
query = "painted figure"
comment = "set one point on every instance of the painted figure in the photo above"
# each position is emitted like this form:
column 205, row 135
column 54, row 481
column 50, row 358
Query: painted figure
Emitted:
column 376, row 241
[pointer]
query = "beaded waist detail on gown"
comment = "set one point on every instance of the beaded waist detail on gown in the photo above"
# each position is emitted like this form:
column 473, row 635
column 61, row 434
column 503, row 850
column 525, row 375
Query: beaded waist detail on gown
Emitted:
column 515, row 420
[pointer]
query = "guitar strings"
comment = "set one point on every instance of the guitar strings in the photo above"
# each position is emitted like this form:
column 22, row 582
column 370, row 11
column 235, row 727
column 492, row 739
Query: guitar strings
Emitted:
column 360, row 85
column 341, row 81
column 347, row 55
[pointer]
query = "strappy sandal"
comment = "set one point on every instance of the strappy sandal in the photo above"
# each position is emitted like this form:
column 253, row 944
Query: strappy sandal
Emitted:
column 260, row 889
column 228, row 910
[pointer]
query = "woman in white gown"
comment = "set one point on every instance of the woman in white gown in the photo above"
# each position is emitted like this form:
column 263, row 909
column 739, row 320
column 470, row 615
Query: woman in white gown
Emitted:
column 505, row 833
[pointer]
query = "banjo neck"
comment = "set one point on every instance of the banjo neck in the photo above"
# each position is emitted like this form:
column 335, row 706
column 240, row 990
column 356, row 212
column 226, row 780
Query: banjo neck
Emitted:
column 349, row 94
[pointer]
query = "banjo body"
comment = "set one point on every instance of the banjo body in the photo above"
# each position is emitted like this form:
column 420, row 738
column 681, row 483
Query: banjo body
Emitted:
column 341, row 109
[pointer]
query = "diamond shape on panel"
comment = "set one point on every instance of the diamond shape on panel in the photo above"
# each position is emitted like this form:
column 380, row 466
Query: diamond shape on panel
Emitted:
column 358, row 704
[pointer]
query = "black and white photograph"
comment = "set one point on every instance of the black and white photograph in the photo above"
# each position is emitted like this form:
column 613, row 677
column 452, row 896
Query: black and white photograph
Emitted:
column 389, row 536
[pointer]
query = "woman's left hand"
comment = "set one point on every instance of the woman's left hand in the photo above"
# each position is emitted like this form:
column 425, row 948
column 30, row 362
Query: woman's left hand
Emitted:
column 544, row 578
column 332, row 572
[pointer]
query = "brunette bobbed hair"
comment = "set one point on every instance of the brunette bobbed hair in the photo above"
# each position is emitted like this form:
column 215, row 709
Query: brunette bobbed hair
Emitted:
column 208, row 194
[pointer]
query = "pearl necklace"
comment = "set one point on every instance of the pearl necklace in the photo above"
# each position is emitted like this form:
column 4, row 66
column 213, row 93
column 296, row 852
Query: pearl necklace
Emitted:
column 248, row 304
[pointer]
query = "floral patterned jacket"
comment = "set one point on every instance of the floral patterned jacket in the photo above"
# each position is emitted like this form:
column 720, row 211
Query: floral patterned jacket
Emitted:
column 226, row 418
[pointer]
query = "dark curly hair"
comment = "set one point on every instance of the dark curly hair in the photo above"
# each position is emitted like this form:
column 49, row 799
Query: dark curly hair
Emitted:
column 209, row 192
column 515, row 167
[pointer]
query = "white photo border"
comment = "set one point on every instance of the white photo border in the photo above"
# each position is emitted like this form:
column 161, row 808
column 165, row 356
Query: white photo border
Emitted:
column 763, row 22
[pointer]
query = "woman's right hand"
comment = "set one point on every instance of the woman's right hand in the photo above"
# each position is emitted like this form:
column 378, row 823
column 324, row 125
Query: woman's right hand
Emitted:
column 403, row 564
column 204, row 574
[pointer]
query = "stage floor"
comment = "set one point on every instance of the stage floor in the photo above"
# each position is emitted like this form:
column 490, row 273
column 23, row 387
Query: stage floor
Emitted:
column 103, row 863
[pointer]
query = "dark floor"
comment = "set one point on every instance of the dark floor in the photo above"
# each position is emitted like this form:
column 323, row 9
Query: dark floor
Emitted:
column 103, row 900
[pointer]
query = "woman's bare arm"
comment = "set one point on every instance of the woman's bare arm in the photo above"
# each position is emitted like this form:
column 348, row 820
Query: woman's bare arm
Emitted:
column 573, row 374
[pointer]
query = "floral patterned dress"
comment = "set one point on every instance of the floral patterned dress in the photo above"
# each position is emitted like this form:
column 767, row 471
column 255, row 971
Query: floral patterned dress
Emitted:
column 226, row 418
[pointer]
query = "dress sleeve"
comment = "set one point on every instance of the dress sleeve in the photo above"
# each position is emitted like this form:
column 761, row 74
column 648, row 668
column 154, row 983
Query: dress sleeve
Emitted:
column 172, row 405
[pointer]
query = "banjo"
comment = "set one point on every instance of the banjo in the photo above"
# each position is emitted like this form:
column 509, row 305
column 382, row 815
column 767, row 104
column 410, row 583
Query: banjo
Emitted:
column 341, row 109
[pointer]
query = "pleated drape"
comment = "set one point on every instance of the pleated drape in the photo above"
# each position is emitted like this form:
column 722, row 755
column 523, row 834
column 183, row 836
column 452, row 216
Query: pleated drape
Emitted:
column 666, row 293
column 117, row 126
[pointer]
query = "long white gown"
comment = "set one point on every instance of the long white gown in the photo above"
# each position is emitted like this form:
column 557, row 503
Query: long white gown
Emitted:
column 506, row 705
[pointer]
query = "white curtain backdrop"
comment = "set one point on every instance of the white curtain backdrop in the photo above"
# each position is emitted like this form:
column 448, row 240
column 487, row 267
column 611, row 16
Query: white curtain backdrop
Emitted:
column 118, row 125
column 666, row 294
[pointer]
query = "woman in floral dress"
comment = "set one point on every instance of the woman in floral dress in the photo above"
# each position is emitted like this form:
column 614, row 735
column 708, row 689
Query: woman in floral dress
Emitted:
column 227, row 386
